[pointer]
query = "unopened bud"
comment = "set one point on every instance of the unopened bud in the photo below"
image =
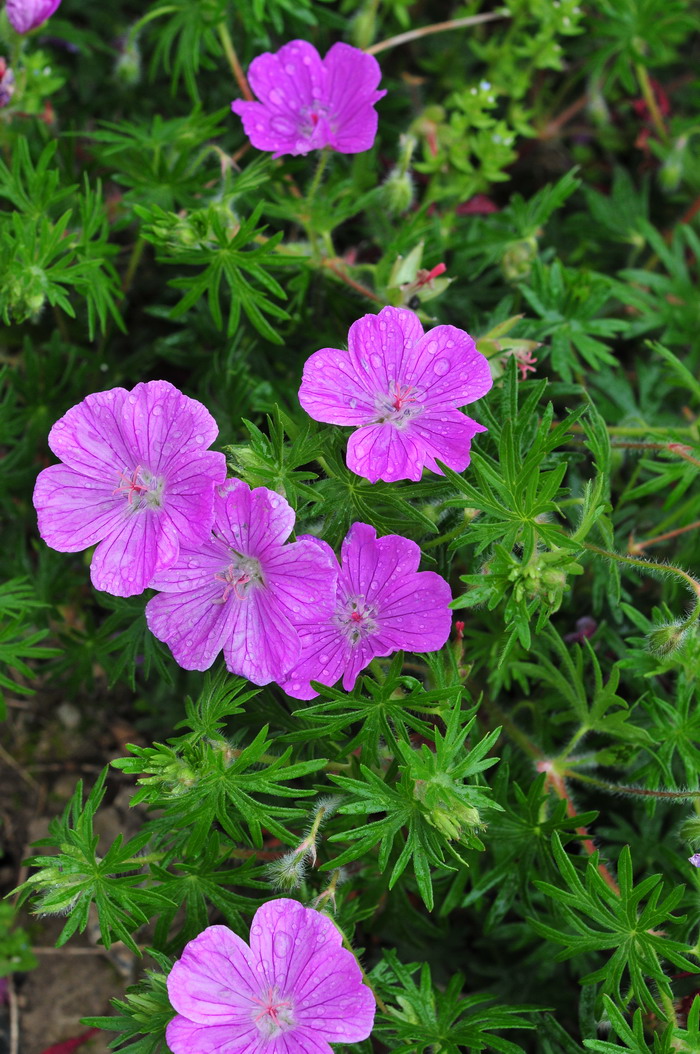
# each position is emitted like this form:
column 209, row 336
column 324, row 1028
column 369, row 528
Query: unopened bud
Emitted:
column 518, row 258
column 671, row 172
column 665, row 640
column 127, row 68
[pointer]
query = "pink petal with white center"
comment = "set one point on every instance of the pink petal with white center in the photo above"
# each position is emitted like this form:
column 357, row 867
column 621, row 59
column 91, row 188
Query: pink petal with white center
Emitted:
column 124, row 563
column 303, row 579
column 381, row 348
column 186, row 1037
column 252, row 521
column 159, row 424
column 331, row 390
column 447, row 370
column 300, row 951
column 75, row 511
column 370, row 564
column 288, row 84
column 385, row 452
column 261, row 643
column 214, row 981
column 90, row 436
column 351, row 93
column 446, row 435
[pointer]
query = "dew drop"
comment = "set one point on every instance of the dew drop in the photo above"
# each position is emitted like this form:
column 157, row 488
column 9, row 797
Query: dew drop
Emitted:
column 193, row 563
column 441, row 367
column 157, row 410
column 306, row 60
column 132, row 400
column 199, row 440
column 364, row 364
column 289, row 68
column 282, row 944
column 323, row 657
column 449, row 344
column 275, row 97
column 189, row 643
column 353, row 404
column 432, row 347
column 376, row 360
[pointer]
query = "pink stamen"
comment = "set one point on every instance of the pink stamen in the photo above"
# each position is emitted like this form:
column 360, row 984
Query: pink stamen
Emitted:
column 231, row 581
column 403, row 395
column 356, row 616
column 129, row 485
column 270, row 1007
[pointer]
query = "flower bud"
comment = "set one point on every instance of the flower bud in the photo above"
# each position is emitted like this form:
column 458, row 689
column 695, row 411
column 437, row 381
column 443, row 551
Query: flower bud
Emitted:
column 25, row 15
column 518, row 257
column 665, row 640
column 671, row 172
column 127, row 68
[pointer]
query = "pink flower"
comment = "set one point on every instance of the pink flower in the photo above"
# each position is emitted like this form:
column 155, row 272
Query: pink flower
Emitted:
column 383, row 604
column 28, row 14
column 293, row 991
column 136, row 477
column 7, row 83
column 243, row 590
column 307, row 103
column 694, row 859
column 401, row 389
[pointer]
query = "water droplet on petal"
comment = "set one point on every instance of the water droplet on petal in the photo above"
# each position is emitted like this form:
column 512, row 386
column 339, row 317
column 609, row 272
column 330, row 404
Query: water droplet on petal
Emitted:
column 199, row 440
column 376, row 361
column 282, row 944
column 275, row 96
column 157, row 410
column 132, row 400
column 441, row 367
column 432, row 347
column 353, row 404
column 289, row 68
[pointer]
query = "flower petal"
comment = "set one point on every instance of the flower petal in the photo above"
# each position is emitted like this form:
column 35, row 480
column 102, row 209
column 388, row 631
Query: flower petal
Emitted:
column 331, row 391
column 385, row 452
column 261, row 643
column 214, row 981
column 186, row 1037
column 381, row 348
column 351, row 93
column 89, row 437
column 74, row 511
column 252, row 521
column 303, row 579
column 449, row 371
column 190, row 621
column 163, row 427
column 446, row 435
column 124, row 563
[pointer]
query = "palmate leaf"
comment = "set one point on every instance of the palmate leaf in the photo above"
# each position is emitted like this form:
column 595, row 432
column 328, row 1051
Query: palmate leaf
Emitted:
column 603, row 919
column 430, row 806
column 76, row 877
column 199, row 781
column 426, row 1017
column 228, row 254
column 386, row 711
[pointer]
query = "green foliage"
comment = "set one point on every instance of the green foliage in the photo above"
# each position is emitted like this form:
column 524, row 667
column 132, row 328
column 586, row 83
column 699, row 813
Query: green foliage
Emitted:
column 603, row 918
column 429, row 799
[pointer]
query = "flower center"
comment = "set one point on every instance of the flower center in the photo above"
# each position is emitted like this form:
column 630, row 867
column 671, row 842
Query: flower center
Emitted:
column 398, row 406
column 311, row 116
column 357, row 619
column 143, row 490
column 274, row 1016
column 241, row 575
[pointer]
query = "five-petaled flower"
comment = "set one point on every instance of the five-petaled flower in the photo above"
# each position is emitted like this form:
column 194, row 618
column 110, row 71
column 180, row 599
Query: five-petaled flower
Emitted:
column 383, row 604
column 294, row 990
column 25, row 15
column 244, row 589
column 401, row 388
column 307, row 103
column 136, row 477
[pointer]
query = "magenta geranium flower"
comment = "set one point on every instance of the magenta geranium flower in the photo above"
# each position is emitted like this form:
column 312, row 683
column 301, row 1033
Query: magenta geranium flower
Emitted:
column 383, row 604
column 136, row 477
column 28, row 14
column 307, row 102
column 293, row 991
column 243, row 590
column 401, row 388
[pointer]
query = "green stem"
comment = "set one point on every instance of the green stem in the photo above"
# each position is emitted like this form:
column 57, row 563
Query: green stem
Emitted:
column 437, row 27
column 650, row 100
column 233, row 61
column 318, row 175
column 132, row 266
column 650, row 565
column 634, row 792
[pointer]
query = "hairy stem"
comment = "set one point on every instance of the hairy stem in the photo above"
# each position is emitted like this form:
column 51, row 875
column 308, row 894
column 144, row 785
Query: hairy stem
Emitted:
column 233, row 61
column 437, row 27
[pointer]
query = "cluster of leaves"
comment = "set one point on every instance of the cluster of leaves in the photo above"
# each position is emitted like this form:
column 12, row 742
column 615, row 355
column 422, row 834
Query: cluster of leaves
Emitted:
column 548, row 157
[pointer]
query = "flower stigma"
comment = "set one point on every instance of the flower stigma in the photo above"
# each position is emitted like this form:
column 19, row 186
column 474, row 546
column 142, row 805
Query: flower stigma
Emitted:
column 275, row 1015
column 143, row 490
column 358, row 620
column 241, row 575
